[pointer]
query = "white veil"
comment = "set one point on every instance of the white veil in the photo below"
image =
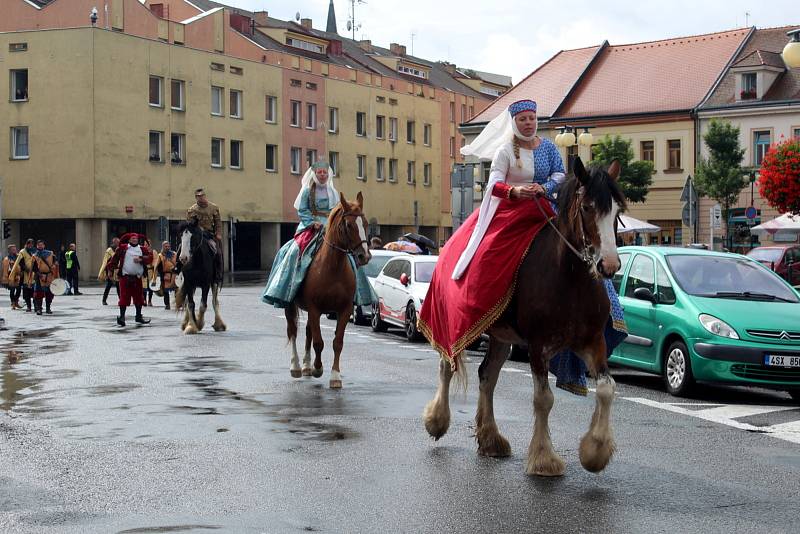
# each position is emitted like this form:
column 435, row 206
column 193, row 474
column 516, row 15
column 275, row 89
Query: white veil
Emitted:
column 311, row 175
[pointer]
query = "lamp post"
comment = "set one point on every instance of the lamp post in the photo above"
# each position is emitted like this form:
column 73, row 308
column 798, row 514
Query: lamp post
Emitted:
column 791, row 52
column 567, row 138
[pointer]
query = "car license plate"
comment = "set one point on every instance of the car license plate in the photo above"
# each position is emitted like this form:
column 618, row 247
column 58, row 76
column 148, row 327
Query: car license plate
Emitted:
column 774, row 360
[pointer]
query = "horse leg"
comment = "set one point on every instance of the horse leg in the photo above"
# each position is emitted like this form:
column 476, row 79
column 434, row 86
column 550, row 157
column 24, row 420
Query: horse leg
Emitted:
column 201, row 317
column 542, row 459
column 597, row 445
column 191, row 328
column 291, row 332
column 219, row 325
column 342, row 318
column 437, row 412
column 307, row 355
column 319, row 344
column 490, row 441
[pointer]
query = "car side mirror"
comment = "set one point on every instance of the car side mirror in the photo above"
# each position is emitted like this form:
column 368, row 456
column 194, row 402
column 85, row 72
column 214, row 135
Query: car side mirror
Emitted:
column 404, row 279
column 643, row 293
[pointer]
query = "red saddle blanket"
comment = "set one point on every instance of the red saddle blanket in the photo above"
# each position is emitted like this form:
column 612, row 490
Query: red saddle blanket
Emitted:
column 456, row 312
column 305, row 237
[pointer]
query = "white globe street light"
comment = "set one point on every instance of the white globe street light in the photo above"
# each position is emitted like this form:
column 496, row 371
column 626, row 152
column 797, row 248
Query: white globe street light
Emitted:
column 791, row 52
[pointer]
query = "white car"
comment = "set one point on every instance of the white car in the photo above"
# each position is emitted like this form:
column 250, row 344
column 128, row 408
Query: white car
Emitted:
column 363, row 314
column 401, row 288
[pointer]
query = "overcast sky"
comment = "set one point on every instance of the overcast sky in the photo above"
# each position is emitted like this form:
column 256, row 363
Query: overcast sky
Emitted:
column 513, row 37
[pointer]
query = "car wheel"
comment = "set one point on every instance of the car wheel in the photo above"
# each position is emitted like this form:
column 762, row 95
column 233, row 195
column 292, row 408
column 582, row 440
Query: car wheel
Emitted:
column 377, row 324
column 359, row 318
column 794, row 393
column 412, row 334
column 677, row 370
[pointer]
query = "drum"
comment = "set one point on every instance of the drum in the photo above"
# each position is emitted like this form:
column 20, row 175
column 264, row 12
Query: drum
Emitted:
column 59, row 286
column 155, row 284
column 179, row 280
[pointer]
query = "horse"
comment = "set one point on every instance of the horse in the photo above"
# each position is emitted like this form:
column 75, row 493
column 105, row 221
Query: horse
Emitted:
column 559, row 303
column 329, row 287
column 197, row 266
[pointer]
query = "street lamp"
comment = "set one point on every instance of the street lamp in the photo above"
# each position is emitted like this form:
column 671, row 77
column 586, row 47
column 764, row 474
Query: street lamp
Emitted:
column 791, row 52
column 568, row 139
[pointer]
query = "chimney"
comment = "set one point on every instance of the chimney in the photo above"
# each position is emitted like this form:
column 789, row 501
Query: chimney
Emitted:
column 366, row 45
column 397, row 49
column 335, row 47
column 261, row 18
column 306, row 23
column 449, row 67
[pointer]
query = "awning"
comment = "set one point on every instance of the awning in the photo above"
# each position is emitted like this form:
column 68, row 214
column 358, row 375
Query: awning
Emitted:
column 785, row 224
column 631, row 225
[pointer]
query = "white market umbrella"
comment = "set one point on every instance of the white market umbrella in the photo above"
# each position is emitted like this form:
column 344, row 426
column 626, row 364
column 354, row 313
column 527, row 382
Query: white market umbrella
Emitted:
column 630, row 225
column 785, row 224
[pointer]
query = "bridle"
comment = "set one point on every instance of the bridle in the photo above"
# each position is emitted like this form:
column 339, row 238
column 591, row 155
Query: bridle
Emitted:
column 342, row 231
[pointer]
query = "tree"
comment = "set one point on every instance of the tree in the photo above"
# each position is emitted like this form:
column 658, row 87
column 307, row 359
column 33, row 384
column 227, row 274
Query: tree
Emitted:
column 635, row 177
column 779, row 182
column 720, row 176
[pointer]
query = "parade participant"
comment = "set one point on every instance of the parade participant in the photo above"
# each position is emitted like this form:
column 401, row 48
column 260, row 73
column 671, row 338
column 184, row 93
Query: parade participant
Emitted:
column 106, row 275
column 314, row 202
column 208, row 218
column 73, row 266
column 149, row 275
column 23, row 271
column 11, row 283
column 46, row 269
column 129, row 262
column 62, row 262
column 165, row 269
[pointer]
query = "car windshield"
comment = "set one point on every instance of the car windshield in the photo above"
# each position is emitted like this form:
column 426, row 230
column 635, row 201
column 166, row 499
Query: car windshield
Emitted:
column 423, row 271
column 770, row 255
column 373, row 268
column 721, row 277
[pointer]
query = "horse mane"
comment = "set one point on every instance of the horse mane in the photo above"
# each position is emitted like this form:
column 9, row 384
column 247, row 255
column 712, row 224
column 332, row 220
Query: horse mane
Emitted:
column 335, row 217
column 600, row 187
column 187, row 224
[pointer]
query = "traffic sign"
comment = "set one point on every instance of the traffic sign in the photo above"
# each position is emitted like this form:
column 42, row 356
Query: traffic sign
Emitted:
column 751, row 212
column 688, row 191
column 716, row 217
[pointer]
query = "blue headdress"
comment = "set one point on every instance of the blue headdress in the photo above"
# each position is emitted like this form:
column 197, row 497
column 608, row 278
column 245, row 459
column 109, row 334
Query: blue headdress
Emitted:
column 522, row 105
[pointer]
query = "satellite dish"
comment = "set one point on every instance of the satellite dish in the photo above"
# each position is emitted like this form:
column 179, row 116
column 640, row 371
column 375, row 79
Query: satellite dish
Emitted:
column 297, row 16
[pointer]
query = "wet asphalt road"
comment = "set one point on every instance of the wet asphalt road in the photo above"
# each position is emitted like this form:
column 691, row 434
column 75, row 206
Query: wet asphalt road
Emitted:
column 142, row 429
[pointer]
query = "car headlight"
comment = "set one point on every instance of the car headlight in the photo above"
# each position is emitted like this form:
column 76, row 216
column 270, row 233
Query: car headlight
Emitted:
column 717, row 327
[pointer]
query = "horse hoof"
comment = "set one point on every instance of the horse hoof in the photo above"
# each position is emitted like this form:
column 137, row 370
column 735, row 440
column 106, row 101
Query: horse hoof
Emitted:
column 316, row 373
column 220, row 327
column 594, row 453
column 493, row 444
column 295, row 373
column 307, row 371
column 543, row 466
column 437, row 420
column 336, row 384
column 189, row 330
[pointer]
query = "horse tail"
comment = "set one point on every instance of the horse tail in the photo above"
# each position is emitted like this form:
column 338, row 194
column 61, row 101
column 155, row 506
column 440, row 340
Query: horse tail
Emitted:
column 180, row 298
column 460, row 377
column 291, row 321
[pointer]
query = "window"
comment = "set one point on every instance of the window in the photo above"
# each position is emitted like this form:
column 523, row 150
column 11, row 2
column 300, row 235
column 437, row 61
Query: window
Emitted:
column 796, row 132
column 271, row 159
column 311, row 156
column 295, row 155
column 177, row 148
column 236, row 104
column 412, row 71
column 427, row 170
column 361, row 124
column 311, row 86
column 452, row 112
column 471, row 112
column 380, row 166
column 648, row 151
column 271, row 114
column 463, row 113
column 749, row 86
column 216, row 151
column 411, row 172
column 674, row 146
column 333, row 161
column 393, row 170
column 623, row 262
column 216, row 100
column 362, row 167
column 426, row 134
column 236, row 154
column 380, row 126
column 19, row 85
column 305, row 45
column 411, row 132
column 295, row 114
column 177, row 101
column 452, row 147
column 666, row 294
column 19, row 143
column 311, row 116
column 236, row 70
column 157, row 147
column 156, row 91
column 642, row 275
column 218, row 67
column 761, row 141
column 392, row 129
column 333, row 120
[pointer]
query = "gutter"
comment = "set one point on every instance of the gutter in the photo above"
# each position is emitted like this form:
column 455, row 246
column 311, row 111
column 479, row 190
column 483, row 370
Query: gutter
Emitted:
column 617, row 116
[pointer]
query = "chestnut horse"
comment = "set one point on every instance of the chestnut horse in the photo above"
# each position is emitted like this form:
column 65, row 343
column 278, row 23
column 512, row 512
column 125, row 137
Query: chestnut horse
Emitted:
column 329, row 287
column 559, row 303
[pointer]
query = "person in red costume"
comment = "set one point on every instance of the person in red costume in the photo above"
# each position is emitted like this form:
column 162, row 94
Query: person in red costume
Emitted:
column 129, row 261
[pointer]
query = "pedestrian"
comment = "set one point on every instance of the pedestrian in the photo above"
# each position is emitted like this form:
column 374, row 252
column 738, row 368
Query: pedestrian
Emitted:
column 73, row 266
column 46, row 271
column 149, row 276
column 24, row 271
column 62, row 262
column 165, row 269
column 11, row 283
column 129, row 262
column 376, row 243
column 109, row 276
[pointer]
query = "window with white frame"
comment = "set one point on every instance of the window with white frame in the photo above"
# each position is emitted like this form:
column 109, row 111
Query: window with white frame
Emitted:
column 271, row 112
column 271, row 158
column 761, row 142
column 156, row 91
column 333, row 120
column 311, row 156
column 749, row 85
column 452, row 112
column 452, row 147
column 177, row 96
column 295, row 120
column 380, row 126
column 426, row 134
column 427, row 170
column 217, row 147
column 796, row 132
column 304, row 45
column 393, row 129
column 295, row 157
column 393, row 166
column 380, row 169
column 237, row 154
column 411, row 132
column 236, row 104
column 333, row 161
column 311, row 116
column 216, row 100
column 361, row 160
column 361, row 124
column 19, row 85
column 19, row 143
column 156, row 146
column 411, row 172
column 463, row 113
column 412, row 71
column 177, row 148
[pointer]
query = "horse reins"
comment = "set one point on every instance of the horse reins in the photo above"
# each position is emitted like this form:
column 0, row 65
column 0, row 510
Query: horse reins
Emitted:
column 586, row 255
column 349, row 252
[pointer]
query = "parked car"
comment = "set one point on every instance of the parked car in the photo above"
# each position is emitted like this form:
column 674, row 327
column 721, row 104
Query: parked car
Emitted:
column 696, row 316
column 783, row 259
column 362, row 315
column 401, row 287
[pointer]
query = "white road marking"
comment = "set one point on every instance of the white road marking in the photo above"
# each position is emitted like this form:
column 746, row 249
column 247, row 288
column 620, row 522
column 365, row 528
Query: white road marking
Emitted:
column 511, row 370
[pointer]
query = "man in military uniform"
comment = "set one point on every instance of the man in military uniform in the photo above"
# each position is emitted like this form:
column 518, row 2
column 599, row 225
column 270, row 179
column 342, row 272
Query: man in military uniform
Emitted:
column 207, row 215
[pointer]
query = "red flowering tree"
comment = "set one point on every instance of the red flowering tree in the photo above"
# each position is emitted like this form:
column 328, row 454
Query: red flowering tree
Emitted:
column 779, row 182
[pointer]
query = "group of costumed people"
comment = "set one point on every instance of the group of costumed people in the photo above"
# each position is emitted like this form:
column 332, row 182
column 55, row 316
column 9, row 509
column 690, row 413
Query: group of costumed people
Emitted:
column 493, row 242
column 28, row 273
column 159, row 273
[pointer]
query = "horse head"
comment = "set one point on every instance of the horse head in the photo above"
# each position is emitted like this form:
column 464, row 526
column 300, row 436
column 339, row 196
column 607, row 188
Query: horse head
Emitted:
column 589, row 206
column 191, row 237
column 347, row 229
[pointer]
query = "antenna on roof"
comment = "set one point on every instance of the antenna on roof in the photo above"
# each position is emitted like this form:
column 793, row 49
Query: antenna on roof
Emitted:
column 352, row 25
column 412, row 42
column 747, row 18
column 297, row 16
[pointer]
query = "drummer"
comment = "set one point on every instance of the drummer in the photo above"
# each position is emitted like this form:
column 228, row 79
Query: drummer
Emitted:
column 46, row 270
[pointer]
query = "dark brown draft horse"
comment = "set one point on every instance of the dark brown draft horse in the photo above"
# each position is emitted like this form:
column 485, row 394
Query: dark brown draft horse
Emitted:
column 329, row 287
column 559, row 303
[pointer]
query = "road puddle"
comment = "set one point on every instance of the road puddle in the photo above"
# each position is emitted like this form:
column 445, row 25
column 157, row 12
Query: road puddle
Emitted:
column 17, row 383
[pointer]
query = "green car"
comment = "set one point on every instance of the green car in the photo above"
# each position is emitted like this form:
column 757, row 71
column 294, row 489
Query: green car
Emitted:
column 702, row 316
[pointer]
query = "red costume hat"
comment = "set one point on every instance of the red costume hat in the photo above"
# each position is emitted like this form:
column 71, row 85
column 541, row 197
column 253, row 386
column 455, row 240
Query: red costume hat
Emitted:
column 127, row 237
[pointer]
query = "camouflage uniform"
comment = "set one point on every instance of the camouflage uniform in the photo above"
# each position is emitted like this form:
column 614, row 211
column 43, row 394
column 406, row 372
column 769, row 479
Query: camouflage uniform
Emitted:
column 209, row 220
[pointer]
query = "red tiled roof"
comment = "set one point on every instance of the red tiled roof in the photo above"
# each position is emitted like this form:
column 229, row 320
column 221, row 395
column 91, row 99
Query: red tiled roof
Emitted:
column 759, row 58
column 547, row 85
column 658, row 76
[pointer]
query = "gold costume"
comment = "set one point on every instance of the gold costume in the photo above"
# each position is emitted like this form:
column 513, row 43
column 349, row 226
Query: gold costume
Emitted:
column 7, row 278
column 103, row 274
column 208, row 218
column 23, row 268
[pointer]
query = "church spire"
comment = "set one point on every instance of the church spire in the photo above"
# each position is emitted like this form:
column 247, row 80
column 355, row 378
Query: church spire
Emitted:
column 331, row 28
